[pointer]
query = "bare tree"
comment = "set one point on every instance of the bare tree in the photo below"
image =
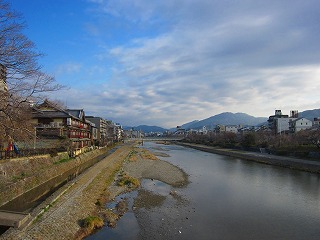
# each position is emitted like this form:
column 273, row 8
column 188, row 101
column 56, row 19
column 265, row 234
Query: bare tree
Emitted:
column 22, row 79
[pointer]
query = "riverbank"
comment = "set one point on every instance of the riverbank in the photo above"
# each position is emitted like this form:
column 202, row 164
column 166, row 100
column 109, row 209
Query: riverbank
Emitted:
column 287, row 162
column 62, row 217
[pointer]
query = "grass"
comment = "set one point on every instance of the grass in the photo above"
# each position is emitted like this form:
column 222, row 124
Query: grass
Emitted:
column 128, row 181
column 22, row 175
column 111, row 218
column 89, row 224
column 132, row 156
column 148, row 155
column 46, row 209
column 63, row 160
column 92, row 222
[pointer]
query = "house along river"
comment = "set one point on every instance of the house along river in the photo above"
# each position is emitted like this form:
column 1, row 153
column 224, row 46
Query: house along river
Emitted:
column 226, row 198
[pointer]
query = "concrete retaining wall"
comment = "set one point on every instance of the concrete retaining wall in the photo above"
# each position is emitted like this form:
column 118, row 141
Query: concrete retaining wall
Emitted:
column 293, row 163
column 18, row 176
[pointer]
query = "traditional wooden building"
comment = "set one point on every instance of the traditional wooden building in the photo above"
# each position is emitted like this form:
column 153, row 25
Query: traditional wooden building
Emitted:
column 53, row 122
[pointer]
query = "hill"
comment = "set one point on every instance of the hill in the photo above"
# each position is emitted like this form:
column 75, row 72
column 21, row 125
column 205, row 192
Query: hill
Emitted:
column 226, row 118
column 310, row 114
column 147, row 129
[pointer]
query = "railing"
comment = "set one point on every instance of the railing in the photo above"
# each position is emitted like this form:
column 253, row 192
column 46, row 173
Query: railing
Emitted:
column 4, row 154
column 50, row 125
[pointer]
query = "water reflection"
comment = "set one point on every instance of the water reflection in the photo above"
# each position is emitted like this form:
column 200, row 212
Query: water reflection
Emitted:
column 127, row 227
column 227, row 199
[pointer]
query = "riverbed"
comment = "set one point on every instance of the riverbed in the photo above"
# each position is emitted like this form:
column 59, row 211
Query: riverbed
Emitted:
column 226, row 198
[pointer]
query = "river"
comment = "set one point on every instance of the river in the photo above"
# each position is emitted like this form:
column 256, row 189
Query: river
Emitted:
column 226, row 198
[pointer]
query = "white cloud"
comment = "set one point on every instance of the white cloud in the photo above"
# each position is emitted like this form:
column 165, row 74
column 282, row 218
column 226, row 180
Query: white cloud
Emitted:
column 215, row 56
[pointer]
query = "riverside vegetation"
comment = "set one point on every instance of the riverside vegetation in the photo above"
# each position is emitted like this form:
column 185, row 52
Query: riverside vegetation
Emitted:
column 305, row 144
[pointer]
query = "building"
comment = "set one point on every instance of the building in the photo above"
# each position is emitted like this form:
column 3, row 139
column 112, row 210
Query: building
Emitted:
column 231, row 128
column 110, row 132
column 118, row 132
column 220, row 128
column 300, row 124
column 132, row 133
column 180, row 131
column 280, row 123
column 316, row 121
column 101, row 125
column 53, row 122
column 94, row 133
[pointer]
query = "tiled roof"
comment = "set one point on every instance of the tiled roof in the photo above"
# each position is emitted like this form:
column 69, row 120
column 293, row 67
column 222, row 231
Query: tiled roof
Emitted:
column 50, row 114
column 78, row 113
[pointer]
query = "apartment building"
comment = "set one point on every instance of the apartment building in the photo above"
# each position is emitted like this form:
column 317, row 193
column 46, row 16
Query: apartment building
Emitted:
column 101, row 125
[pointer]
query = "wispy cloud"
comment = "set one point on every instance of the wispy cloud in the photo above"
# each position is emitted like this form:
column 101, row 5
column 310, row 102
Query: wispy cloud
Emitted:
column 214, row 56
column 68, row 68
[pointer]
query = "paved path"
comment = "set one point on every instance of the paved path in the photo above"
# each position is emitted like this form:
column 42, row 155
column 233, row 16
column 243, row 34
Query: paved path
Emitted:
column 289, row 162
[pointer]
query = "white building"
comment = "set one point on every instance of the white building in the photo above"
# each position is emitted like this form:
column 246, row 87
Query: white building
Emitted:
column 300, row 124
column 316, row 121
column 204, row 130
column 232, row 128
column 283, row 124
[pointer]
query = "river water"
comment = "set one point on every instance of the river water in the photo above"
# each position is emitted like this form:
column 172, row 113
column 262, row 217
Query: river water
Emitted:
column 226, row 198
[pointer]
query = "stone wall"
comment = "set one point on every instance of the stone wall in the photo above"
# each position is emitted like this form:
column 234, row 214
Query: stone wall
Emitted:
column 18, row 176
column 288, row 162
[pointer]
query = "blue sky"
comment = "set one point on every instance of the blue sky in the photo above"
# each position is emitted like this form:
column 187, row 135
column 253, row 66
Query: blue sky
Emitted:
column 169, row 62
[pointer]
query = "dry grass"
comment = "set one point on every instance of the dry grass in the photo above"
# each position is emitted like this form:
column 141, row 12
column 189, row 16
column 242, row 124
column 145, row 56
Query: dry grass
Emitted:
column 132, row 157
column 111, row 217
column 145, row 154
column 89, row 224
column 126, row 180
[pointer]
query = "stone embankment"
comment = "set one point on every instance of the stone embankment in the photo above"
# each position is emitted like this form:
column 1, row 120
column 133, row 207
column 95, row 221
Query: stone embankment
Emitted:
column 288, row 162
column 70, row 204
column 18, row 176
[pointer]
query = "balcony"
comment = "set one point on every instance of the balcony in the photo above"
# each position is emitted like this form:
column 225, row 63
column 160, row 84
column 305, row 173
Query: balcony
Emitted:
column 50, row 125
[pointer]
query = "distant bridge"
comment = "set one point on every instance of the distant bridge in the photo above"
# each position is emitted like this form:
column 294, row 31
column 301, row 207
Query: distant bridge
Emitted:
column 175, row 138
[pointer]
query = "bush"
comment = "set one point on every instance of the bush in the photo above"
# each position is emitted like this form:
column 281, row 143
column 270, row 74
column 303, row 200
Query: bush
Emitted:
column 249, row 140
column 53, row 152
column 128, row 181
column 92, row 222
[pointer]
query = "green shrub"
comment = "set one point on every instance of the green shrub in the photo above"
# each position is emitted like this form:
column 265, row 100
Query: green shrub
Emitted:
column 63, row 160
column 92, row 222
column 126, row 180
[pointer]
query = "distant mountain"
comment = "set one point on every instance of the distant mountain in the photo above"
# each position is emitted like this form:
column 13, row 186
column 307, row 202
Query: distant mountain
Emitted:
column 147, row 129
column 310, row 114
column 226, row 118
column 184, row 126
column 187, row 125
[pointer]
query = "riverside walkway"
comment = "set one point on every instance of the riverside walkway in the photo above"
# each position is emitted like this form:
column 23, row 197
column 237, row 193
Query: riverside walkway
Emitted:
column 288, row 162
